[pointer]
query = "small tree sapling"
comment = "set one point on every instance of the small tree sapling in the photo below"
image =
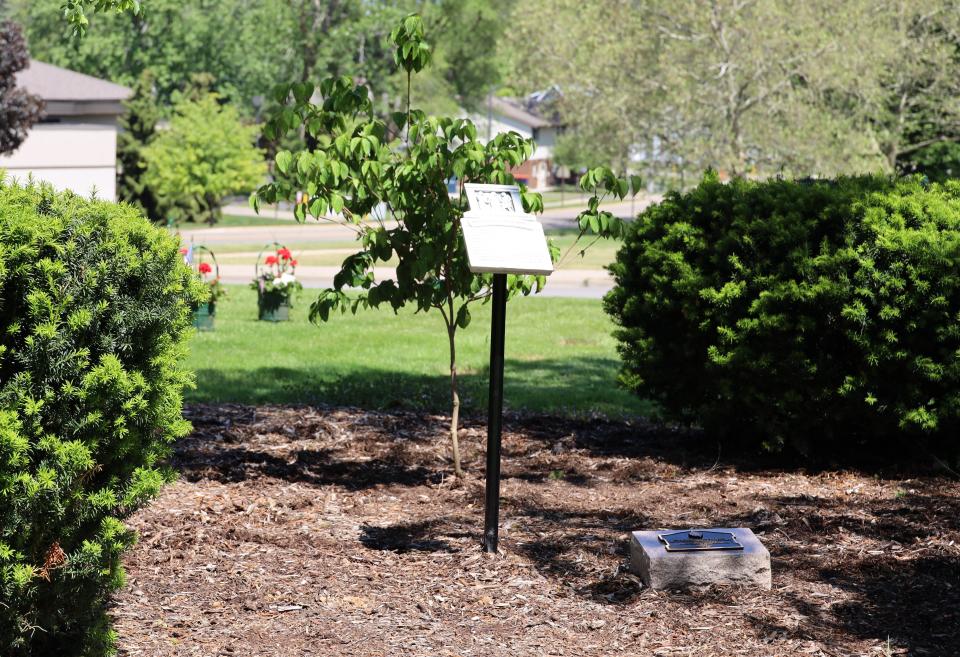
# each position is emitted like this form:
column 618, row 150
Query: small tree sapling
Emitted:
column 360, row 163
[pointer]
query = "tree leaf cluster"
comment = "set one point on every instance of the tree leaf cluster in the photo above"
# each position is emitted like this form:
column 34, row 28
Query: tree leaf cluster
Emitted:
column 75, row 11
column 19, row 110
column 204, row 155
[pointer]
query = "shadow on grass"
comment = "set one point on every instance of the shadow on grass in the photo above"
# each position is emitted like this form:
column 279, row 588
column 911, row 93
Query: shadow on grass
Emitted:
column 569, row 386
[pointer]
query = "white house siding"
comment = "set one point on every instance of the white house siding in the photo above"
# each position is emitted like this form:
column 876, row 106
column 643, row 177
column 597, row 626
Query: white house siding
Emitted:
column 489, row 127
column 76, row 155
column 546, row 138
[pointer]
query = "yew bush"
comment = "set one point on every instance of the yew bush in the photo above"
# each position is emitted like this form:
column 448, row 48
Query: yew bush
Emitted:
column 94, row 309
column 819, row 315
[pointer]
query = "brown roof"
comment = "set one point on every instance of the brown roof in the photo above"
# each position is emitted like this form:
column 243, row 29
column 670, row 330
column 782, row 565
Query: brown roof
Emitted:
column 67, row 92
column 516, row 112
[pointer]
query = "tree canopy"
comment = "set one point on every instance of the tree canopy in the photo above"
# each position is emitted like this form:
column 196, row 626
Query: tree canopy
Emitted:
column 756, row 87
column 248, row 46
column 203, row 156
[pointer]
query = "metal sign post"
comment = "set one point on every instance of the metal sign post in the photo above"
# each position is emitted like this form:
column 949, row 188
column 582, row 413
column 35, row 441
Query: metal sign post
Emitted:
column 501, row 239
column 491, row 524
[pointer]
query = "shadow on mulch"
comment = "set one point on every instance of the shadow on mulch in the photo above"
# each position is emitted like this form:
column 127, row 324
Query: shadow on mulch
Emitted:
column 314, row 467
column 562, row 535
column 424, row 536
column 914, row 601
column 904, row 590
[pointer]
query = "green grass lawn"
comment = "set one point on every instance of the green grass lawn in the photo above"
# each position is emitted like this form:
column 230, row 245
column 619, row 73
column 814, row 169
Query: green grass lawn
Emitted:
column 560, row 358
column 599, row 253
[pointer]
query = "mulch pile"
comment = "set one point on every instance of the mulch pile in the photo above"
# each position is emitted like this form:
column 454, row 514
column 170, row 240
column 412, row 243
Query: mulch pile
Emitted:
column 306, row 531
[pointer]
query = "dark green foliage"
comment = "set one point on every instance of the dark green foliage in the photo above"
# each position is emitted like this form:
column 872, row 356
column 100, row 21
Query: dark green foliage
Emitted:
column 94, row 310
column 137, row 128
column 939, row 161
column 823, row 316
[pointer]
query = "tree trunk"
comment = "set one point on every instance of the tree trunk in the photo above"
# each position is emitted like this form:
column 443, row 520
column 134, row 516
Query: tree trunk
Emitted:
column 455, row 396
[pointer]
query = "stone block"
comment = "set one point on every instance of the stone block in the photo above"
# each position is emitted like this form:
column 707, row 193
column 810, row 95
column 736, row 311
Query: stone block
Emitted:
column 663, row 569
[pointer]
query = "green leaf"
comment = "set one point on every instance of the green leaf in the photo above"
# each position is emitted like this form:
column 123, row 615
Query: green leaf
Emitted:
column 463, row 317
column 594, row 223
column 284, row 159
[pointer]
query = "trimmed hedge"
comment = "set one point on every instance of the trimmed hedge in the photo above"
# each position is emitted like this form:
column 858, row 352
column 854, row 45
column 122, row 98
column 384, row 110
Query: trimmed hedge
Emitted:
column 94, row 309
column 823, row 316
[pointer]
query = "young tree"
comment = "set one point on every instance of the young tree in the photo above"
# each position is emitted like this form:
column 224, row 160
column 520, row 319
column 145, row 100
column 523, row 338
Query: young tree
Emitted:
column 205, row 155
column 359, row 162
column 137, row 128
column 18, row 109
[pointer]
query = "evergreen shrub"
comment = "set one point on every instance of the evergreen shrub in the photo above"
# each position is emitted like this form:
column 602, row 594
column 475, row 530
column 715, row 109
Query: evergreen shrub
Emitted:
column 822, row 316
column 94, row 310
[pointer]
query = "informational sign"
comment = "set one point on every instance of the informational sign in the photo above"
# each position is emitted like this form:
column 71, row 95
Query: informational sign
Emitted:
column 501, row 238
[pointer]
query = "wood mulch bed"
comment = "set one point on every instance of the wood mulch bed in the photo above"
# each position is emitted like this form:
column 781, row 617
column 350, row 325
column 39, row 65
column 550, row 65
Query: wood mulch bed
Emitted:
column 303, row 531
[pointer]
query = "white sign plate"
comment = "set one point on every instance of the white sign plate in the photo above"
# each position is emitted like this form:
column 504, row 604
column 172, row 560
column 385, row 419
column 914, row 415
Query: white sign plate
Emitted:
column 501, row 238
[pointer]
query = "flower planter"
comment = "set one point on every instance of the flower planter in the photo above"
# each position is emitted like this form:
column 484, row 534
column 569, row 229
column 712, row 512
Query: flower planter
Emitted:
column 280, row 313
column 275, row 283
column 203, row 317
column 204, row 263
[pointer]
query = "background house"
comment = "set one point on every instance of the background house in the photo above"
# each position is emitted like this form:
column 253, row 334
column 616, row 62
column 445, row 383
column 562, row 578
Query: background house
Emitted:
column 75, row 145
column 526, row 117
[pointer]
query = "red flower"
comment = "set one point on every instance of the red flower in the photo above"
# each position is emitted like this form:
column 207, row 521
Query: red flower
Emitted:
column 271, row 260
column 293, row 263
column 284, row 253
column 204, row 268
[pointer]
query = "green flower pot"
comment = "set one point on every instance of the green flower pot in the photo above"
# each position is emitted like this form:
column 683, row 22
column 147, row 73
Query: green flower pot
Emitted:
column 279, row 314
column 203, row 317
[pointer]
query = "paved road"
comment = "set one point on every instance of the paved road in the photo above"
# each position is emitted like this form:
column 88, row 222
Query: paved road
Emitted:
column 567, row 283
column 257, row 236
column 576, row 283
column 314, row 231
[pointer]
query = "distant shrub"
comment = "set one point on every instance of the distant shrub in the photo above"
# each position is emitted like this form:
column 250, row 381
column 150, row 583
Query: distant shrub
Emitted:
column 94, row 309
column 819, row 315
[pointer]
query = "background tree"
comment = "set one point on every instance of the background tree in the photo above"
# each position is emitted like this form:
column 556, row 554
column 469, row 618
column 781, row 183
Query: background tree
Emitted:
column 18, row 109
column 174, row 39
column 137, row 128
column 754, row 87
column 246, row 45
column 741, row 81
column 358, row 163
column 910, row 100
column 606, row 109
column 205, row 155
